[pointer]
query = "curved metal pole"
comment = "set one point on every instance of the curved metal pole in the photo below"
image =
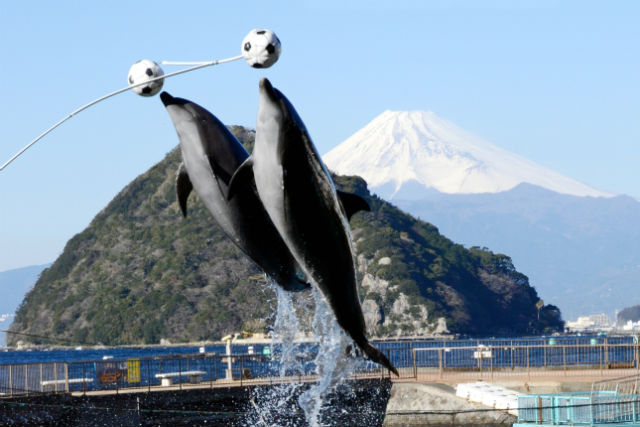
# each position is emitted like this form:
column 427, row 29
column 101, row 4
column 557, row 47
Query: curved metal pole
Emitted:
column 124, row 89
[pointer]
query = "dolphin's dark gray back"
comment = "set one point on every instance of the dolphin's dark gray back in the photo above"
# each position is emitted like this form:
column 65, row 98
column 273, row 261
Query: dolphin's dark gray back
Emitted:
column 214, row 154
column 224, row 158
column 300, row 197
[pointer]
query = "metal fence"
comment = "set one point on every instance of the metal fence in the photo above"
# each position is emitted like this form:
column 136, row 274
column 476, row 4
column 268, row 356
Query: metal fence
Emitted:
column 199, row 370
column 451, row 363
column 488, row 362
column 32, row 378
column 628, row 385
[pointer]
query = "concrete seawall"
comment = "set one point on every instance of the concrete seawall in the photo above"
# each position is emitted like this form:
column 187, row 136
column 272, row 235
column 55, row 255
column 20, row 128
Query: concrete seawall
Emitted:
column 357, row 403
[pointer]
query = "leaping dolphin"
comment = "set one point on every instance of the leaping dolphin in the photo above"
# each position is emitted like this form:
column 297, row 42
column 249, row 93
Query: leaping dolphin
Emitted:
column 210, row 155
column 299, row 195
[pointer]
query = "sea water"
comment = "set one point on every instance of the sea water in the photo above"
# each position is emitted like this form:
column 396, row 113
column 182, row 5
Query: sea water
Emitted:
column 10, row 356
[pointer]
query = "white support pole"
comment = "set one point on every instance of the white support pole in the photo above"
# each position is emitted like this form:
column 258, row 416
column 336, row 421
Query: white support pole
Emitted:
column 229, row 373
column 109, row 95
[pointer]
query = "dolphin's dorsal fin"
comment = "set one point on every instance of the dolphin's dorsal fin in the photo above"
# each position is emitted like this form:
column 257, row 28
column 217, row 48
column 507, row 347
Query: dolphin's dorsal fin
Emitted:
column 352, row 203
column 183, row 188
column 242, row 178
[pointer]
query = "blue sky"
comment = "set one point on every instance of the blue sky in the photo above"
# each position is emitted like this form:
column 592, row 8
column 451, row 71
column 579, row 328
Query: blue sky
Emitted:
column 556, row 82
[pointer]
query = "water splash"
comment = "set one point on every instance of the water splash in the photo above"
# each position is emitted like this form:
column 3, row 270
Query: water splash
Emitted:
column 271, row 403
column 278, row 405
column 332, row 363
column 285, row 329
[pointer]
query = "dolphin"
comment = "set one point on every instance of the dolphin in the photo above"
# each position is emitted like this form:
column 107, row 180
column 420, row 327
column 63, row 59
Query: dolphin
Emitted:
column 300, row 197
column 210, row 155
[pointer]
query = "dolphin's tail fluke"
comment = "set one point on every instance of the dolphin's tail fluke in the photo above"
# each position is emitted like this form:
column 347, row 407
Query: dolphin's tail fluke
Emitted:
column 376, row 355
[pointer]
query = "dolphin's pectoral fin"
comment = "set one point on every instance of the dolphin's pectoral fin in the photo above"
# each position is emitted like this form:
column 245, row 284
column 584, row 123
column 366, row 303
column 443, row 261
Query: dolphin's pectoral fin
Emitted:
column 183, row 188
column 352, row 203
column 219, row 171
column 242, row 178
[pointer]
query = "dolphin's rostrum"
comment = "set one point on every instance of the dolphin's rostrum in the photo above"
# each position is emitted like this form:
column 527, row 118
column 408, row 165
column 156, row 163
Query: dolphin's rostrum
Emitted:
column 299, row 195
column 210, row 155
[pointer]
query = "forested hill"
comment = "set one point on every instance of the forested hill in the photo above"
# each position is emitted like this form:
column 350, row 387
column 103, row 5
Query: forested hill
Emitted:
column 141, row 272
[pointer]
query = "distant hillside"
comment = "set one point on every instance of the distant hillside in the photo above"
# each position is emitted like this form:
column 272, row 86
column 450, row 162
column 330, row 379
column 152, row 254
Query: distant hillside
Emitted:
column 140, row 272
column 582, row 253
column 628, row 314
column 14, row 285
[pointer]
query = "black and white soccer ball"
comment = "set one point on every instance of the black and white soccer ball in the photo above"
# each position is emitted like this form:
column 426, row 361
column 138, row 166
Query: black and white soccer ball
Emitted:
column 143, row 71
column 261, row 48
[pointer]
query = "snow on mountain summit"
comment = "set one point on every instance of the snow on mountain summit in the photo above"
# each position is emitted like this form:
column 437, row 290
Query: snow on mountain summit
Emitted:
column 398, row 148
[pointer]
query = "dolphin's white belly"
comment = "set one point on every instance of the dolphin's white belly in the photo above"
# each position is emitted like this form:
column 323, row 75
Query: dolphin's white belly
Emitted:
column 267, row 171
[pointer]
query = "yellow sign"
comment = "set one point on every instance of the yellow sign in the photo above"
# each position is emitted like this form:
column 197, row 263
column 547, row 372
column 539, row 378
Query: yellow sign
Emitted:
column 133, row 370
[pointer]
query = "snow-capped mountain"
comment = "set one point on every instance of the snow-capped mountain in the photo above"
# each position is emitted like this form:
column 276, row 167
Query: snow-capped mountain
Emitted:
column 419, row 147
column 581, row 253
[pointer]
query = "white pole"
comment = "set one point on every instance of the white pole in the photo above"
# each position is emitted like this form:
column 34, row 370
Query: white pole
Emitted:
column 124, row 89
column 182, row 62
column 229, row 374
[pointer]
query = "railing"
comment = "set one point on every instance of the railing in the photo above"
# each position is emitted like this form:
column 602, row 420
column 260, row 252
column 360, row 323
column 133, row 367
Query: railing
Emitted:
column 33, row 378
column 451, row 363
column 623, row 385
column 488, row 362
column 178, row 372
